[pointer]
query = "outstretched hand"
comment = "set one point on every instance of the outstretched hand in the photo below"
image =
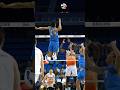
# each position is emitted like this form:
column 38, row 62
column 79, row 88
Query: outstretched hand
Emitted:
column 36, row 27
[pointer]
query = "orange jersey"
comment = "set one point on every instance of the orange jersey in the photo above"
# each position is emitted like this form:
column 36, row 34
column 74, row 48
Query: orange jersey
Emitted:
column 90, row 85
column 70, row 60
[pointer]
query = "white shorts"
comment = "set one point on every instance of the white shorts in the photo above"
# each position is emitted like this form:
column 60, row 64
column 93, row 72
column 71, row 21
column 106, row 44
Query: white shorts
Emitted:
column 71, row 70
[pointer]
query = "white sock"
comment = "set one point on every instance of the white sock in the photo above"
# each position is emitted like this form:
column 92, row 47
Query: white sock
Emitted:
column 47, row 57
column 54, row 56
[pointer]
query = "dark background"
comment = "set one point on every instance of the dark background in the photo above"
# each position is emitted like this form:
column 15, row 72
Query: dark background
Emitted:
column 13, row 1
column 16, row 15
column 19, row 43
column 73, row 5
column 102, row 10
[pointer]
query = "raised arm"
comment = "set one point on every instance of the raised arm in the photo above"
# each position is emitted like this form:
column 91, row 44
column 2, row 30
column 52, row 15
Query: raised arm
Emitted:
column 90, row 65
column 62, row 43
column 59, row 26
column 117, row 53
column 115, row 49
column 41, row 28
column 18, row 5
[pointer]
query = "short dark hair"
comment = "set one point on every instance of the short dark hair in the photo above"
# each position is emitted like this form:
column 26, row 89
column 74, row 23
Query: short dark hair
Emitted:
column 73, row 47
column 52, row 24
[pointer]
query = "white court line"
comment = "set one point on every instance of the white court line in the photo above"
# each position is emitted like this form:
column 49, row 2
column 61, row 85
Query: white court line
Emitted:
column 61, row 36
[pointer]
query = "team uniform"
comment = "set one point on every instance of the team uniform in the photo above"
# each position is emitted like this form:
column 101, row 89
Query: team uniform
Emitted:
column 81, row 72
column 71, row 69
column 38, row 58
column 54, row 40
column 111, row 80
column 9, row 72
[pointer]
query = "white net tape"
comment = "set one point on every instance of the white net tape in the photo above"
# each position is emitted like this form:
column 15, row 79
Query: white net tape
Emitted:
column 61, row 36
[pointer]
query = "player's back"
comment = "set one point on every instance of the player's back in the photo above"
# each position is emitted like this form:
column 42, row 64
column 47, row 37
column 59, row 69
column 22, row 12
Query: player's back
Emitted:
column 53, row 34
column 7, row 71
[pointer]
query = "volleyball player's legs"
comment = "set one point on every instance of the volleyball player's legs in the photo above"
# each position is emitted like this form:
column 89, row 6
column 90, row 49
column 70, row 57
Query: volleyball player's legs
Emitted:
column 80, row 80
column 74, row 74
column 50, row 51
column 55, row 50
column 68, row 71
column 74, row 70
column 78, row 85
column 68, row 74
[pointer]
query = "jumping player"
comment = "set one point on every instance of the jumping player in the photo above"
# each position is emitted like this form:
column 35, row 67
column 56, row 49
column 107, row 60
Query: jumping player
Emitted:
column 71, row 68
column 81, row 71
column 54, row 39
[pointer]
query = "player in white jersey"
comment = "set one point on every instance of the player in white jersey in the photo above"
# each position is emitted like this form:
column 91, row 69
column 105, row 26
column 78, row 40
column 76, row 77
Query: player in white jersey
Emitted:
column 9, row 72
column 39, row 66
column 49, row 80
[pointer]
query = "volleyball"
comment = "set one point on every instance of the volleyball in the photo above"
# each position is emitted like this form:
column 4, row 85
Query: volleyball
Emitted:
column 63, row 5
